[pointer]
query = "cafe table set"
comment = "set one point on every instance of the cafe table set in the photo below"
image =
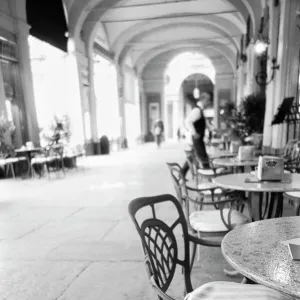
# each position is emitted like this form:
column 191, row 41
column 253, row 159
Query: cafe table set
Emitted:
column 267, row 250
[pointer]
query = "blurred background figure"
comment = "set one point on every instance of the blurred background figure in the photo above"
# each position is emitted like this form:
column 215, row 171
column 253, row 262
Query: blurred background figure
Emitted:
column 158, row 131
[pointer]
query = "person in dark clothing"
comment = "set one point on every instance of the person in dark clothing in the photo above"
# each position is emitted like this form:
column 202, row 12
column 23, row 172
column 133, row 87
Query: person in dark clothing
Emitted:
column 158, row 131
column 196, row 125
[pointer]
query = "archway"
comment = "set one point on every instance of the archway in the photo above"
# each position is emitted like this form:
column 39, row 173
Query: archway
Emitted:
column 204, row 84
column 183, row 72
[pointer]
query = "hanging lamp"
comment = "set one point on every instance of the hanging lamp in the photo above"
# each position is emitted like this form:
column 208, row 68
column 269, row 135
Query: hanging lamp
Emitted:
column 196, row 92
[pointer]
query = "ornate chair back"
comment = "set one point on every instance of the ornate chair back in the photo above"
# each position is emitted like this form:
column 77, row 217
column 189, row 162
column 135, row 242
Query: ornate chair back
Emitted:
column 160, row 243
column 178, row 181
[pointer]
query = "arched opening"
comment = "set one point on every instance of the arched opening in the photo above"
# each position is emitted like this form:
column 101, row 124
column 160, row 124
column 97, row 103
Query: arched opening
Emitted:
column 186, row 73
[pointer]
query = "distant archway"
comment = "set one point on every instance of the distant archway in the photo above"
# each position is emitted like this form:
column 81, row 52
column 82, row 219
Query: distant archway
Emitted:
column 178, row 74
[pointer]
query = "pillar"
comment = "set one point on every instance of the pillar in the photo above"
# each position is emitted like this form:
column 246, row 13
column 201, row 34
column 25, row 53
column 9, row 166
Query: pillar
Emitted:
column 121, row 103
column 143, row 106
column 22, row 33
column 93, row 103
column 286, row 79
column 216, row 104
column 271, row 87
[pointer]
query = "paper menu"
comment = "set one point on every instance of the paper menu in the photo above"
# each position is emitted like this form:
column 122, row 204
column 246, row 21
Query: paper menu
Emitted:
column 294, row 248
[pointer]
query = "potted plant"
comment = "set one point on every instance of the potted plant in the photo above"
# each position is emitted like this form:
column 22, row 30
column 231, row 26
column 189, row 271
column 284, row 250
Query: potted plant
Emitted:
column 7, row 130
column 59, row 131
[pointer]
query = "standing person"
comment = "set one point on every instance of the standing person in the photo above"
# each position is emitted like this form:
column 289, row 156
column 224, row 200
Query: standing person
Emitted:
column 196, row 125
column 158, row 131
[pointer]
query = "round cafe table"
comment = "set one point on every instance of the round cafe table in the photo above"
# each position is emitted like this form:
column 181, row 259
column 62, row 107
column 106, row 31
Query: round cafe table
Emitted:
column 265, row 197
column 256, row 251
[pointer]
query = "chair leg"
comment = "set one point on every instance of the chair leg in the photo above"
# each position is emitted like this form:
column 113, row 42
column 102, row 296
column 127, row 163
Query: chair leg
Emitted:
column 198, row 246
column 193, row 255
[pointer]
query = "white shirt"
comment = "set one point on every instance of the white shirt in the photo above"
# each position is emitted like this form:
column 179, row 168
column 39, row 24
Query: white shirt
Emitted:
column 193, row 116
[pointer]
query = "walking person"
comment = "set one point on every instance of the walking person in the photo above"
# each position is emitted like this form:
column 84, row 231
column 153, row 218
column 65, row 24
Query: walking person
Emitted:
column 196, row 125
column 158, row 132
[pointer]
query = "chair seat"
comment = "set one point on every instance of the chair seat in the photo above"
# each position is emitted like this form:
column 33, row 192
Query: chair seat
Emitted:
column 209, row 172
column 21, row 158
column 39, row 160
column 211, row 221
column 207, row 185
column 11, row 160
column 234, row 291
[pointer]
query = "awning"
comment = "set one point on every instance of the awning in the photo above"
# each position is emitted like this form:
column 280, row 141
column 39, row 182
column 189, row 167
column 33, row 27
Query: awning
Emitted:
column 48, row 22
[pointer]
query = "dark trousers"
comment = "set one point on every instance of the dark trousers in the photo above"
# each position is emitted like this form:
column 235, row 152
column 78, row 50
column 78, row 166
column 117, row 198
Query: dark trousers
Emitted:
column 199, row 148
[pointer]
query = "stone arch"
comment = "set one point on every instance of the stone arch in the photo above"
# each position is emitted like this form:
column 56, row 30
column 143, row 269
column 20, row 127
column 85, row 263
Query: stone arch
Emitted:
column 130, row 33
column 222, row 32
column 81, row 15
column 198, row 47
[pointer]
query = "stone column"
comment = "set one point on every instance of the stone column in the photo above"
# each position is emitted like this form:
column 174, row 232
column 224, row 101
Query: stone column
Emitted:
column 286, row 79
column 22, row 33
column 270, row 89
column 216, row 103
column 121, row 103
column 240, row 84
column 252, row 69
column 143, row 106
column 93, row 103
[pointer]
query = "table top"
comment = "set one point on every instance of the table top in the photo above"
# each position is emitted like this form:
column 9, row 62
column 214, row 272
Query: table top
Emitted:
column 28, row 150
column 237, row 182
column 235, row 162
column 255, row 250
column 293, row 195
column 215, row 153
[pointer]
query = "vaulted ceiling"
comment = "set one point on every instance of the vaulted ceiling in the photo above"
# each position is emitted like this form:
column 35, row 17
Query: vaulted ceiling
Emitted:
column 141, row 30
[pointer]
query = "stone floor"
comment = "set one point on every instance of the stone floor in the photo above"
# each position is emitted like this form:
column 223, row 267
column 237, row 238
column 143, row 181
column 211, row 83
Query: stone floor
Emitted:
column 71, row 238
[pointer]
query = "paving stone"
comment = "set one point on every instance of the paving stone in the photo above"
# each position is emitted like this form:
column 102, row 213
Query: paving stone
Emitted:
column 37, row 280
column 69, row 230
column 11, row 230
column 127, row 281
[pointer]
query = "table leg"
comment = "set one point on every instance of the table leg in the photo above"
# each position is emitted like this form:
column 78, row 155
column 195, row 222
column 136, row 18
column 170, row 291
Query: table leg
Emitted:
column 265, row 205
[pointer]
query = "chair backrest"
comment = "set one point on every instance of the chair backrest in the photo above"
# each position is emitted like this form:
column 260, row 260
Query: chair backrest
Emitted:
column 192, row 161
column 178, row 181
column 160, row 244
column 289, row 148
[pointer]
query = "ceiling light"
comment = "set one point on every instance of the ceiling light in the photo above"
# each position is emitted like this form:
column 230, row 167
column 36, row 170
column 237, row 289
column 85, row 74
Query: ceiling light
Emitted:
column 196, row 93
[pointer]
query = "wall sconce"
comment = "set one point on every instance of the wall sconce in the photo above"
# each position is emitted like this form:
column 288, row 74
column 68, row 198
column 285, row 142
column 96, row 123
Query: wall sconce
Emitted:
column 262, row 77
column 261, row 47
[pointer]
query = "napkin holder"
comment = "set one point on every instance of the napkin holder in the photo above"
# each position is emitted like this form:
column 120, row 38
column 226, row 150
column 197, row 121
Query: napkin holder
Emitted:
column 246, row 153
column 270, row 168
column 234, row 146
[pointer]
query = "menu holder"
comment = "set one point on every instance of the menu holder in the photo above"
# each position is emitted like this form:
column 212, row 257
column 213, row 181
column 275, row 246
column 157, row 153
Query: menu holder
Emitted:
column 283, row 110
column 294, row 248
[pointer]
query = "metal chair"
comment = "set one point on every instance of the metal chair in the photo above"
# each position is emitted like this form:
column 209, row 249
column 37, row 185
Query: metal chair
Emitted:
column 198, row 171
column 229, row 207
column 162, row 255
column 204, row 189
column 292, row 160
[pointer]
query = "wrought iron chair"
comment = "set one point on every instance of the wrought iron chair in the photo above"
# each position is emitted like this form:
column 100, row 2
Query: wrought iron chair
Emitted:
column 204, row 189
column 198, row 171
column 229, row 207
column 292, row 158
column 162, row 254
